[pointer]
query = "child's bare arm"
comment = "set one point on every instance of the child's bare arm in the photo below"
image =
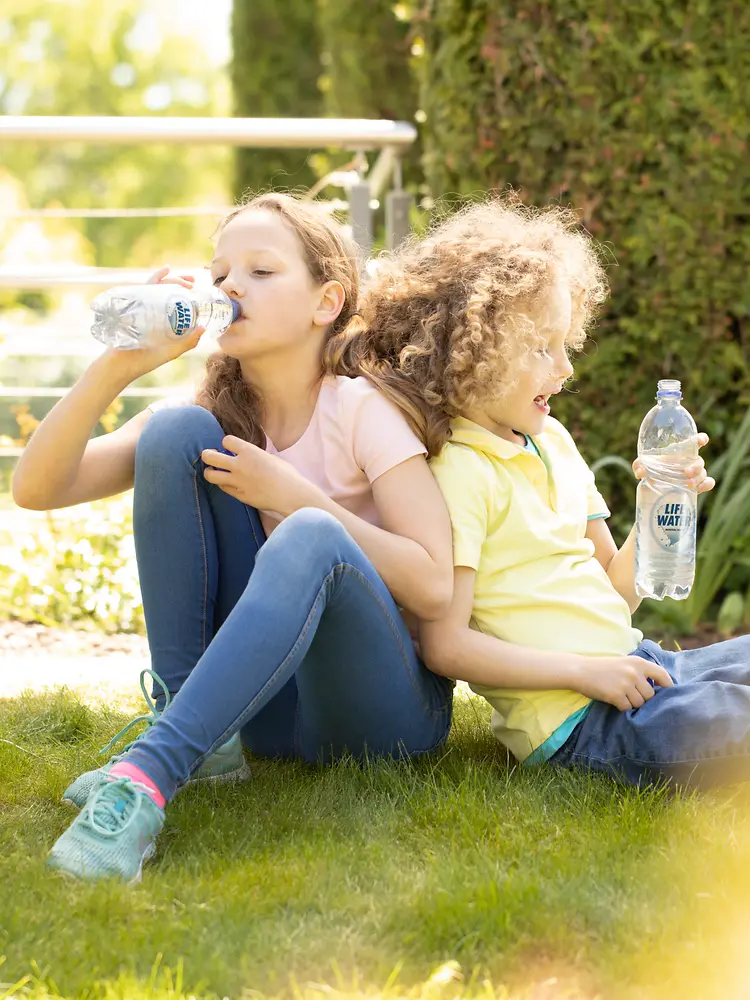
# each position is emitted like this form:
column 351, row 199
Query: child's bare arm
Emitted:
column 61, row 466
column 619, row 565
column 451, row 648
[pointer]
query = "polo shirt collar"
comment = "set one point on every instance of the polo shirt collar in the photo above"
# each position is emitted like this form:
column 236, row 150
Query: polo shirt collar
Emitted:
column 467, row 432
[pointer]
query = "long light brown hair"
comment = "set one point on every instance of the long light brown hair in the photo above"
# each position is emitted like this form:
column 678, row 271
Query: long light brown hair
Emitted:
column 449, row 320
column 330, row 255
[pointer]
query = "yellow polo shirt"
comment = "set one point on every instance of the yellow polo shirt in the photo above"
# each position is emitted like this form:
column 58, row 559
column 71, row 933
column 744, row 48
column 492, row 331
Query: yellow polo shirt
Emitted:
column 519, row 520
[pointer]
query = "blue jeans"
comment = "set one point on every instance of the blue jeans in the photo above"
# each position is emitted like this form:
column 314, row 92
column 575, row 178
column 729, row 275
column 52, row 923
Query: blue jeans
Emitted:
column 696, row 733
column 295, row 640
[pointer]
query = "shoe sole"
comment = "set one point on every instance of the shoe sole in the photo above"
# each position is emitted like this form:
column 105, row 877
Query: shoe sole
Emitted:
column 241, row 774
column 230, row 778
column 146, row 856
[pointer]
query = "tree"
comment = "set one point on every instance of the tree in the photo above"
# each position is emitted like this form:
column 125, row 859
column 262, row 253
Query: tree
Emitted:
column 275, row 72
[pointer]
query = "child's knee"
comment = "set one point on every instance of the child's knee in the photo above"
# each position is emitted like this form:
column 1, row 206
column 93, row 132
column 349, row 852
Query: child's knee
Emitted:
column 312, row 536
column 314, row 528
column 173, row 431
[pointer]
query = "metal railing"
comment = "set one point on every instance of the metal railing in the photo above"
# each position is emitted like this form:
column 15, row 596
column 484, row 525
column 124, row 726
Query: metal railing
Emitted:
column 363, row 186
column 356, row 134
column 276, row 133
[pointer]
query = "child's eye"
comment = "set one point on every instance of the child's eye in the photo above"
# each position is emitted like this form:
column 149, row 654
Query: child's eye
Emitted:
column 218, row 281
column 542, row 352
column 261, row 272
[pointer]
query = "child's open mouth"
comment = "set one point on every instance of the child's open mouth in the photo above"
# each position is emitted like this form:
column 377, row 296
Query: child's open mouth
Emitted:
column 543, row 403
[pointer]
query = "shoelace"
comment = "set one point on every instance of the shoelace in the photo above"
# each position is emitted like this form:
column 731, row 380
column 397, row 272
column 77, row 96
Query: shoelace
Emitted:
column 113, row 806
column 149, row 719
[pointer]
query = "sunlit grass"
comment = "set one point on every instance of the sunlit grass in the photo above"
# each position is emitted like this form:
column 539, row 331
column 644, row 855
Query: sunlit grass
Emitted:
column 451, row 876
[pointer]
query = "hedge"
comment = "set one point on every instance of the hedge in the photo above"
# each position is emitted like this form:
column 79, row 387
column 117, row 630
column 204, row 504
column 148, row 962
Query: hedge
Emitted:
column 275, row 72
column 636, row 114
column 366, row 60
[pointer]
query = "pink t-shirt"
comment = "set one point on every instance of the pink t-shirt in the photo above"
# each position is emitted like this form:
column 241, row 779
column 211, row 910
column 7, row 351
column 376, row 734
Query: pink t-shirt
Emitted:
column 354, row 436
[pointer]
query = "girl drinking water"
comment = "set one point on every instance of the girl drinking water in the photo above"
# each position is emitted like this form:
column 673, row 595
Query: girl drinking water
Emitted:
column 478, row 320
column 272, row 576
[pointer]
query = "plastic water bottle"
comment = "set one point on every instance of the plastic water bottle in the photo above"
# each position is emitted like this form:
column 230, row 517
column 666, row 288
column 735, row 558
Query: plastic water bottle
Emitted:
column 132, row 316
column 666, row 508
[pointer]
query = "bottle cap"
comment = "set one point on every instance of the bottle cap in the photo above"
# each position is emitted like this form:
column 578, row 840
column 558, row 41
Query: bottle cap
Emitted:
column 669, row 387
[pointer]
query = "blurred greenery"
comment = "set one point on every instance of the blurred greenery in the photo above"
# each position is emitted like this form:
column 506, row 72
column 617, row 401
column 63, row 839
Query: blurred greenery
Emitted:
column 74, row 568
column 275, row 70
column 69, row 59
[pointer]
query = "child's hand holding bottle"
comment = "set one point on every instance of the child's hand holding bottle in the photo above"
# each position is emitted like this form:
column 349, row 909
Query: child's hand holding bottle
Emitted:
column 131, row 322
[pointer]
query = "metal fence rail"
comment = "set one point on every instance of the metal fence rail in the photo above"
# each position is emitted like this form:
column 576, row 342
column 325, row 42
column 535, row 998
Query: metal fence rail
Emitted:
column 276, row 133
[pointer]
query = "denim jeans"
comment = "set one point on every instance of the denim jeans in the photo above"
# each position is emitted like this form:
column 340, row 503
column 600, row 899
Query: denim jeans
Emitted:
column 296, row 640
column 696, row 733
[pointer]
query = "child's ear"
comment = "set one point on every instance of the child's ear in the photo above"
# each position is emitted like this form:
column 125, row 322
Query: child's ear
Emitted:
column 332, row 296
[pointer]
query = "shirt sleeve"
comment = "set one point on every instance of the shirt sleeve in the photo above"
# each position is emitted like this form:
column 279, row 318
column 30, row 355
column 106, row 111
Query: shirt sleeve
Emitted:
column 595, row 505
column 465, row 486
column 380, row 434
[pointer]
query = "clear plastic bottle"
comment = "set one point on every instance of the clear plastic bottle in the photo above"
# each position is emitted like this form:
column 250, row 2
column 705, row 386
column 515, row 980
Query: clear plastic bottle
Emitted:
column 666, row 508
column 132, row 316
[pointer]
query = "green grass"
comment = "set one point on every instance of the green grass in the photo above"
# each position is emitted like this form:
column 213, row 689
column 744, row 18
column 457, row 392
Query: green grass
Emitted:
column 366, row 880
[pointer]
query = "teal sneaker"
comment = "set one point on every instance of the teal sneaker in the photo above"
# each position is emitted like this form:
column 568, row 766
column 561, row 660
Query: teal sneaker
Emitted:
column 226, row 764
column 112, row 835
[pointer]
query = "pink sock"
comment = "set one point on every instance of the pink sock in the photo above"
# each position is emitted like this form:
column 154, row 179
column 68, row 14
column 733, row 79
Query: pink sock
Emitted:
column 123, row 770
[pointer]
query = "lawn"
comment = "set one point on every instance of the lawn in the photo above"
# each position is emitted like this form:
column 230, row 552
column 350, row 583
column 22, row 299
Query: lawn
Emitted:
column 452, row 876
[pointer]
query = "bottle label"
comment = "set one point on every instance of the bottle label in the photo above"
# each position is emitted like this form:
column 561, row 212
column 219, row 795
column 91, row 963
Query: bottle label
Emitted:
column 181, row 316
column 672, row 521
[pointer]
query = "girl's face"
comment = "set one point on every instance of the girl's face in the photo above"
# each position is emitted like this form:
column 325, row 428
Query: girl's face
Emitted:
column 526, row 406
column 260, row 262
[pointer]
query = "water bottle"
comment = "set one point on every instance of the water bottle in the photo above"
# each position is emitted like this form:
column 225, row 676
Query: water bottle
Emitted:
column 666, row 508
column 132, row 316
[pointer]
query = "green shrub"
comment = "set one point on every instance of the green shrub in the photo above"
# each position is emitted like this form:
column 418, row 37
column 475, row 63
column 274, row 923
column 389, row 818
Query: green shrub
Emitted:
column 636, row 114
column 275, row 71
column 77, row 570
column 366, row 60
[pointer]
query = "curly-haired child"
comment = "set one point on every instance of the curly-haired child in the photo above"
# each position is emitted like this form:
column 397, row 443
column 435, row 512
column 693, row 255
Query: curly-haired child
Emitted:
column 471, row 330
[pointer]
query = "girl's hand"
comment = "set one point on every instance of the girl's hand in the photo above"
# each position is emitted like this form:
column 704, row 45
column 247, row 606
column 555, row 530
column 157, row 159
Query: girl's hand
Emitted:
column 258, row 479
column 163, row 277
column 622, row 681
column 143, row 360
column 696, row 475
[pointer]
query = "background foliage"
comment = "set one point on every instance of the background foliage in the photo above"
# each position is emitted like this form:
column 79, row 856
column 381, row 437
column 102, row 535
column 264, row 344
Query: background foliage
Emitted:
column 319, row 58
column 76, row 571
column 275, row 70
column 366, row 55
column 70, row 59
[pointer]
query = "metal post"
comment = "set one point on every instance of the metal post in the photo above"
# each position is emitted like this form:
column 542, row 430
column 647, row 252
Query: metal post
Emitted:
column 397, row 224
column 360, row 215
column 397, row 208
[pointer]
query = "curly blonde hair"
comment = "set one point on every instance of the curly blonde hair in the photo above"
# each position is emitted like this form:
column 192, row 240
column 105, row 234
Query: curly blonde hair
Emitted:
column 330, row 255
column 450, row 319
